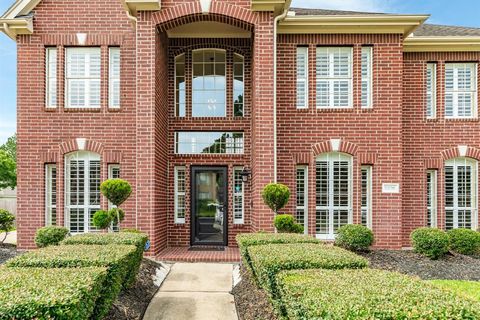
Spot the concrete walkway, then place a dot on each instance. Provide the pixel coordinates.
(195, 291)
(11, 237)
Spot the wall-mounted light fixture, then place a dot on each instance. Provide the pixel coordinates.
(246, 173)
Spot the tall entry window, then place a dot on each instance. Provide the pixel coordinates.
(209, 83)
(460, 193)
(333, 193)
(82, 190)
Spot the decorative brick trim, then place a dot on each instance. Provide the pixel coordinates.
(450, 153)
(469, 152)
(326, 146)
(70, 39)
(112, 156)
(367, 158)
(190, 12)
(71, 145)
(49, 156)
(301, 158)
(473, 153)
(434, 163)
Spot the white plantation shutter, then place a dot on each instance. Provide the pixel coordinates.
(460, 90)
(334, 77)
(238, 196)
(114, 78)
(83, 77)
(51, 78)
(301, 209)
(460, 193)
(333, 193)
(431, 88)
(366, 77)
(432, 198)
(180, 189)
(50, 194)
(366, 196)
(302, 77)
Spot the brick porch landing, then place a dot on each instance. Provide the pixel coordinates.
(182, 254)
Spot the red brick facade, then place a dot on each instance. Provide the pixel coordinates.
(394, 136)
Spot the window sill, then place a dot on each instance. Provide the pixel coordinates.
(94, 110)
(212, 155)
(461, 119)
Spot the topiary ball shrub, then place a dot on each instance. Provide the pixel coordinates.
(102, 219)
(50, 236)
(354, 237)
(431, 242)
(275, 196)
(285, 223)
(116, 190)
(464, 241)
(131, 230)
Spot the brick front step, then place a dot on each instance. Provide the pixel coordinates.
(183, 254)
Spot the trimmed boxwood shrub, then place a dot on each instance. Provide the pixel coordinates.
(268, 260)
(354, 237)
(118, 260)
(285, 223)
(64, 294)
(246, 240)
(367, 294)
(50, 236)
(125, 238)
(431, 242)
(464, 241)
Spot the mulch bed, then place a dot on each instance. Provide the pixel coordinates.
(7, 251)
(451, 267)
(252, 303)
(132, 303)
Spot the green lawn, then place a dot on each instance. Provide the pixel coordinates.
(470, 289)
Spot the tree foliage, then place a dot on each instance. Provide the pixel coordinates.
(10, 147)
(8, 171)
(6, 223)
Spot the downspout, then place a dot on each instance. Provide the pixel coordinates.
(275, 27)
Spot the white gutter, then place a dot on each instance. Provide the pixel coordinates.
(275, 27)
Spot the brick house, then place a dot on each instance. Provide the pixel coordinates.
(368, 118)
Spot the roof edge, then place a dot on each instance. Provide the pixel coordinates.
(387, 23)
(441, 43)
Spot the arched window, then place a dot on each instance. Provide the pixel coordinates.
(208, 83)
(82, 190)
(460, 193)
(333, 193)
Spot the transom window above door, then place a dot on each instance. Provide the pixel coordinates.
(203, 72)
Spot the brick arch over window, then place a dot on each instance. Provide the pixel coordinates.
(461, 151)
(77, 145)
(329, 146)
(192, 12)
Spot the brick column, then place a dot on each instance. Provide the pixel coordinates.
(145, 126)
(262, 120)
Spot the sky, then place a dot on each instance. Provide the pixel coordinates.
(450, 12)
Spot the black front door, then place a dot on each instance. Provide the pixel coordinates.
(209, 205)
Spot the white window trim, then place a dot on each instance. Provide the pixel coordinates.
(369, 78)
(48, 53)
(240, 150)
(111, 79)
(331, 78)
(433, 199)
(236, 194)
(330, 158)
(176, 194)
(243, 84)
(111, 167)
(455, 162)
(87, 157)
(455, 91)
(176, 85)
(305, 206)
(203, 89)
(303, 51)
(368, 207)
(49, 187)
(89, 51)
(432, 68)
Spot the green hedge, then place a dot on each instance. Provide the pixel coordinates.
(268, 260)
(464, 241)
(246, 240)
(118, 259)
(367, 294)
(63, 294)
(125, 238)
